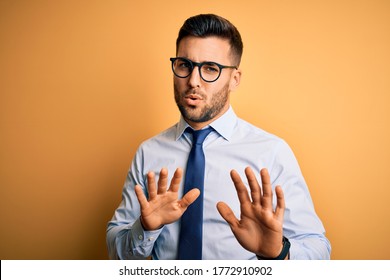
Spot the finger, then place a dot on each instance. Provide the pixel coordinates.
(226, 212)
(266, 199)
(254, 185)
(280, 202)
(189, 198)
(162, 181)
(176, 179)
(151, 185)
(143, 202)
(242, 192)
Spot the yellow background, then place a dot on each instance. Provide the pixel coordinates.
(82, 83)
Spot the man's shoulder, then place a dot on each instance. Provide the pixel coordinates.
(164, 136)
(249, 130)
(252, 136)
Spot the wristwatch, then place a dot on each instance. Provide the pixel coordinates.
(285, 251)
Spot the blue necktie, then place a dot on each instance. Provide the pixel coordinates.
(190, 241)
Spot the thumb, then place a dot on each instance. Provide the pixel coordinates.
(227, 213)
(189, 198)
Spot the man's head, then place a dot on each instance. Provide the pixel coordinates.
(210, 25)
(208, 51)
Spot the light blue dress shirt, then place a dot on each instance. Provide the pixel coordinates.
(235, 144)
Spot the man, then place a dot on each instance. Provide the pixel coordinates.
(265, 188)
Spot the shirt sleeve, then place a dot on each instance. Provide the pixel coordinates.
(301, 226)
(126, 238)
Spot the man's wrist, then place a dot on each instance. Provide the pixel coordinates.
(148, 229)
(284, 254)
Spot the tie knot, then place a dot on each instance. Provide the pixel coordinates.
(199, 135)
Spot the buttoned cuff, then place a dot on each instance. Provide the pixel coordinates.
(143, 238)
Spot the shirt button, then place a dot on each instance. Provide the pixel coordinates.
(150, 238)
(140, 237)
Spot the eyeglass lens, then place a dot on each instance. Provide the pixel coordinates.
(209, 71)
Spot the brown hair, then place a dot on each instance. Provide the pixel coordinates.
(207, 25)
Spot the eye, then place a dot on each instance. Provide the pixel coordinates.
(183, 64)
(210, 68)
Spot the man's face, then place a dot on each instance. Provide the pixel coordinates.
(201, 102)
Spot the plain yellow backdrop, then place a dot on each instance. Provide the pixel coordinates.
(82, 83)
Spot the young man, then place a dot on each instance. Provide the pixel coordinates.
(240, 171)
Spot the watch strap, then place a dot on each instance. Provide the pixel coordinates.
(283, 254)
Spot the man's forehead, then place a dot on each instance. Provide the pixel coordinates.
(204, 49)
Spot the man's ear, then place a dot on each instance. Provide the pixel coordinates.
(235, 79)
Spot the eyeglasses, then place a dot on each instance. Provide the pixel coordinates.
(209, 71)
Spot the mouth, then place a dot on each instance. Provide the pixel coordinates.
(193, 99)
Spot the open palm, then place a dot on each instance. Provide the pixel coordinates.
(163, 206)
(260, 228)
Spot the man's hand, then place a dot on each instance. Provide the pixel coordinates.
(163, 206)
(260, 229)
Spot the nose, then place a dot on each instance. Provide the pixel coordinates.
(194, 79)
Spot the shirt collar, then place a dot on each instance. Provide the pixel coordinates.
(224, 125)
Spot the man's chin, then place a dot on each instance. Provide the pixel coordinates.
(193, 114)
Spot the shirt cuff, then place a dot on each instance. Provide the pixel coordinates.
(143, 237)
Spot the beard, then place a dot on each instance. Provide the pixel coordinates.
(210, 110)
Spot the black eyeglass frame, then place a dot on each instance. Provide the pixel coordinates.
(199, 64)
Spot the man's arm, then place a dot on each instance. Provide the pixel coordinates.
(138, 221)
(301, 224)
